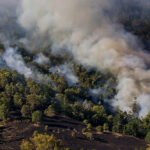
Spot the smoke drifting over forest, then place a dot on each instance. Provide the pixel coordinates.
(86, 29)
(15, 61)
(66, 71)
(10, 30)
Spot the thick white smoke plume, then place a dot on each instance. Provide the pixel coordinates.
(82, 27)
(10, 30)
(15, 61)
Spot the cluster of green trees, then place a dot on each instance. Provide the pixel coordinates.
(35, 100)
(23, 95)
(42, 142)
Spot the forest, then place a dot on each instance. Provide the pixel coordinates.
(30, 99)
(61, 86)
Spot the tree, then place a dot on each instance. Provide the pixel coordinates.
(18, 100)
(147, 138)
(42, 142)
(99, 116)
(26, 145)
(4, 112)
(71, 94)
(89, 135)
(147, 121)
(105, 127)
(89, 126)
(135, 128)
(83, 130)
(118, 121)
(78, 111)
(85, 121)
(148, 148)
(35, 101)
(25, 111)
(37, 116)
(99, 128)
(50, 111)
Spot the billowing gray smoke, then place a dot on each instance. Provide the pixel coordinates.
(41, 59)
(10, 30)
(83, 28)
(15, 61)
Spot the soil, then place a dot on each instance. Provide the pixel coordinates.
(13, 132)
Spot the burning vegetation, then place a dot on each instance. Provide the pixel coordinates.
(81, 59)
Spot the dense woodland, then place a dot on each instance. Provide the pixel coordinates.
(26, 98)
(34, 100)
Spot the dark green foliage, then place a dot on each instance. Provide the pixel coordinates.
(99, 128)
(60, 82)
(49, 111)
(33, 99)
(71, 94)
(147, 138)
(119, 121)
(135, 128)
(4, 112)
(25, 111)
(37, 116)
(105, 127)
(16, 92)
(18, 100)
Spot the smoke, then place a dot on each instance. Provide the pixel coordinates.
(87, 30)
(15, 61)
(10, 30)
(66, 70)
(84, 28)
(95, 93)
(41, 59)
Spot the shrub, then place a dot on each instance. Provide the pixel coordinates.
(18, 101)
(35, 133)
(83, 130)
(148, 148)
(42, 142)
(25, 111)
(105, 127)
(85, 121)
(26, 145)
(99, 128)
(89, 126)
(89, 135)
(37, 116)
(4, 111)
(46, 128)
(147, 138)
(50, 112)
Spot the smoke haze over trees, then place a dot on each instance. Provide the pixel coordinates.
(88, 60)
